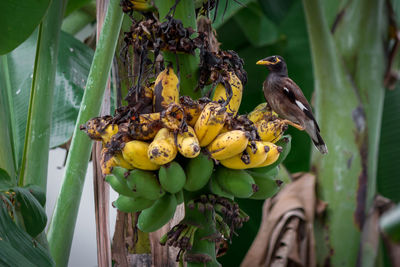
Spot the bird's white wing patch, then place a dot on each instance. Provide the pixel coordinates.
(300, 105)
(287, 90)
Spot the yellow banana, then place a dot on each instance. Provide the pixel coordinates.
(146, 126)
(163, 148)
(99, 128)
(107, 161)
(260, 112)
(272, 154)
(210, 123)
(109, 131)
(166, 89)
(173, 116)
(227, 145)
(250, 158)
(270, 131)
(192, 109)
(120, 161)
(188, 144)
(221, 94)
(135, 153)
(148, 95)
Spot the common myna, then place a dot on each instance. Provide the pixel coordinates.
(288, 101)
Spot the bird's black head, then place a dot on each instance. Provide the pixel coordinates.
(275, 64)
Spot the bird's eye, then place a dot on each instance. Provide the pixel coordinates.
(274, 59)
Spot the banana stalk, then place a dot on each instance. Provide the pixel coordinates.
(203, 249)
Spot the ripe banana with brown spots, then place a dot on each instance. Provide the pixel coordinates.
(221, 93)
(262, 111)
(135, 153)
(210, 123)
(188, 144)
(270, 131)
(192, 108)
(107, 161)
(100, 128)
(163, 148)
(272, 154)
(227, 145)
(254, 155)
(166, 89)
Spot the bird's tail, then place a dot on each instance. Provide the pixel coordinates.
(320, 144)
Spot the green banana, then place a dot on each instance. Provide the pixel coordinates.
(130, 204)
(119, 171)
(118, 182)
(198, 172)
(156, 216)
(172, 177)
(267, 186)
(236, 182)
(144, 184)
(217, 190)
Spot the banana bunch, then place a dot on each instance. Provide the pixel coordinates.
(168, 144)
(164, 149)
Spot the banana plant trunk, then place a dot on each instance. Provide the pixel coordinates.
(349, 95)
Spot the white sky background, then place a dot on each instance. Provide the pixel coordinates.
(83, 251)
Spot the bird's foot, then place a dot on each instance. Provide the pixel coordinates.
(295, 125)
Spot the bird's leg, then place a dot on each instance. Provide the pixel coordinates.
(295, 125)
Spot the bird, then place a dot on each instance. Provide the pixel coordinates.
(285, 97)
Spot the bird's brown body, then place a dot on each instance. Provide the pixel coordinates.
(287, 100)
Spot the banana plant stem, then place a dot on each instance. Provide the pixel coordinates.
(62, 226)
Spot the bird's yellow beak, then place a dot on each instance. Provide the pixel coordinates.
(265, 61)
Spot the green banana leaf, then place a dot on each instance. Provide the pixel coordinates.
(26, 14)
(17, 248)
(388, 183)
(72, 69)
(32, 211)
(258, 29)
(74, 5)
(276, 11)
(5, 180)
(231, 9)
(38, 193)
(10, 256)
